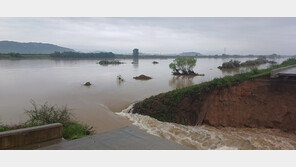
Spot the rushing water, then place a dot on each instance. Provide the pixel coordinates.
(208, 137)
(61, 82)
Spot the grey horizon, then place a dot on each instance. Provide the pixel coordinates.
(158, 35)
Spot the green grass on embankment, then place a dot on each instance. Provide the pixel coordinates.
(226, 81)
(46, 114)
(165, 106)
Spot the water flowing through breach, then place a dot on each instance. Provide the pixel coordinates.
(208, 137)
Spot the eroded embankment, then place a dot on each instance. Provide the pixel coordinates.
(259, 102)
(209, 137)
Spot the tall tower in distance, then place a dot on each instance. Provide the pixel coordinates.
(136, 55)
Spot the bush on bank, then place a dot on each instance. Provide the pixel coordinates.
(47, 114)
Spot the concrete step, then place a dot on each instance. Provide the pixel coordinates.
(127, 138)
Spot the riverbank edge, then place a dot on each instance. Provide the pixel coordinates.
(167, 106)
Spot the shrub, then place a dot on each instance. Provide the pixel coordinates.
(106, 62)
(75, 130)
(2, 128)
(228, 65)
(235, 63)
(231, 64)
(15, 55)
(184, 64)
(258, 61)
(255, 70)
(46, 114)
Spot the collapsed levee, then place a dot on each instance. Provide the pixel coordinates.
(261, 102)
(246, 100)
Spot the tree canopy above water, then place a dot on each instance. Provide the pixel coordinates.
(183, 65)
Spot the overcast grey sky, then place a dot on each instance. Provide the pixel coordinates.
(158, 35)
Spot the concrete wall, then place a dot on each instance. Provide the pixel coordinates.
(21, 137)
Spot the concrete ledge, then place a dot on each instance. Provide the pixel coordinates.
(21, 137)
(275, 73)
(126, 138)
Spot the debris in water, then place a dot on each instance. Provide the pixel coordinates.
(87, 84)
(142, 77)
(120, 78)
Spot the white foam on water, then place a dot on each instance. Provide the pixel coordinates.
(208, 137)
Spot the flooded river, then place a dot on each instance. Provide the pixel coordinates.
(215, 138)
(61, 82)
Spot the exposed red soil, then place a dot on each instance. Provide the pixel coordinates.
(262, 102)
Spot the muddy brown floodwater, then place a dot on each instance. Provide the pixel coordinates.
(207, 137)
(61, 82)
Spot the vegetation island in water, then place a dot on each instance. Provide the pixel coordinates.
(236, 64)
(107, 62)
(184, 66)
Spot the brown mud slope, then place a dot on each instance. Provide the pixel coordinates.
(261, 102)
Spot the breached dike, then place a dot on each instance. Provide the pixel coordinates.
(208, 137)
(245, 111)
(257, 103)
(249, 99)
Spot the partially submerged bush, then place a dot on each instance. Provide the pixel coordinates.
(154, 62)
(230, 64)
(258, 61)
(235, 63)
(87, 84)
(106, 62)
(142, 77)
(183, 65)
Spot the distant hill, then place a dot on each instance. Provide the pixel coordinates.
(31, 48)
(190, 54)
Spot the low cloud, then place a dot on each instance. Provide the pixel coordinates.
(158, 35)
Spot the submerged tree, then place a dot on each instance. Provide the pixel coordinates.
(183, 65)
